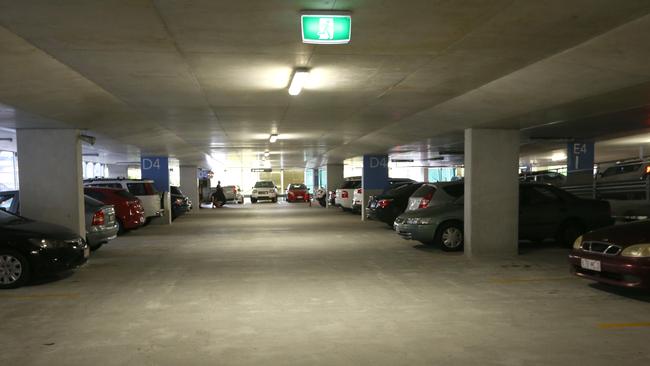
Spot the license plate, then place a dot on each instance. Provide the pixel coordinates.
(299, 197)
(86, 252)
(590, 264)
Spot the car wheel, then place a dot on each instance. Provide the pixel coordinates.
(120, 227)
(569, 232)
(14, 269)
(253, 200)
(241, 201)
(275, 200)
(450, 237)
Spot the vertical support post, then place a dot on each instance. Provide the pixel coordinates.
(374, 179)
(491, 211)
(51, 177)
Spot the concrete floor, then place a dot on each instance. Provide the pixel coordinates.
(279, 284)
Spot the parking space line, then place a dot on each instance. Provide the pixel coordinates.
(623, 325)
(505, 281)
(41, 296)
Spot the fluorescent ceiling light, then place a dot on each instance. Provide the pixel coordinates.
(298, 81)
(273, 138)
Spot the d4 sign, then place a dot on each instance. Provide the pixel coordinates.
(326, 29)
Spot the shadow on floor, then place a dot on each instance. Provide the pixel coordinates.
(630, 293)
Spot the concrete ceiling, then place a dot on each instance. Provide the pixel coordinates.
(190, 78)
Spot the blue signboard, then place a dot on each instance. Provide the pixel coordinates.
(157, 169)
(580, 156)
(375, 172)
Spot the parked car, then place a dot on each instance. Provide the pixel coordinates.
(144, 189)
(101, 225)
(181, 204)
(30, 248)
(386, 207)
(345, 194)
(297, 192)
(616, 255)
(233, 194)
(357, 194)
(128, 210)
(432, 194)
(626, 171)
(264, 190)
(545, 212)
(544, 176)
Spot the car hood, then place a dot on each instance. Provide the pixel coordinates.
(30, 228)
(622, 235)
(433, 211)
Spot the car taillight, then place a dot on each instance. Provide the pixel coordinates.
(359, 191)
(384, 203)
(234, 190)
(344, 194)
(98, 218)
(424, 202)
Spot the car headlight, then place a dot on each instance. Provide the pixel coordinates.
(412, 221)
(637, 251)
(578, 243)
(425, 221)
(47, 243)
(254, 190)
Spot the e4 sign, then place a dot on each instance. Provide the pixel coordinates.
(326, 29)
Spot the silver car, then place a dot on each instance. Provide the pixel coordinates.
(233, 194)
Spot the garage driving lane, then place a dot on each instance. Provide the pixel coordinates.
(278, 284)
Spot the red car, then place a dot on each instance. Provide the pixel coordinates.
(616, 255)
(128, 210)
(297, 193)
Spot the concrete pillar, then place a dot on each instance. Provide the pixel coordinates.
(334, 176)
(374, 178)
(491, 192)
(50, 171)
(190, 184)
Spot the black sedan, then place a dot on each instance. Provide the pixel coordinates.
(29, 248)
(386, 207)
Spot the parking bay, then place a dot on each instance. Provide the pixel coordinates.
(279, 283)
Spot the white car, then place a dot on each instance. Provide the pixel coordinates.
(264, 190)
(233, 194)
(144, 189)
(345, 194)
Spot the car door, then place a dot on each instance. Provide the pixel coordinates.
(540, 212)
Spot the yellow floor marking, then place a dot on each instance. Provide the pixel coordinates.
(41, 296)
(623, 325)
(523, 280)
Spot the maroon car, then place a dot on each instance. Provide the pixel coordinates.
(128, 210)
(617, 255)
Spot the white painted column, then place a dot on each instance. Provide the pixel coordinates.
(190, 184)
(50, 171)
(334, 177)
(491, 192)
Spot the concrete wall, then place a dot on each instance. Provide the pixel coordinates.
(50, 171)
(491, 192)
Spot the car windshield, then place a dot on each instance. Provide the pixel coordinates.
(426, 189)
(454, 190)
(7, 218)
(264, 184)
(175, 190)
(406, 189)
(297, 187)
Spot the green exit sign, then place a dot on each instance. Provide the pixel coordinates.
(326, 29)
